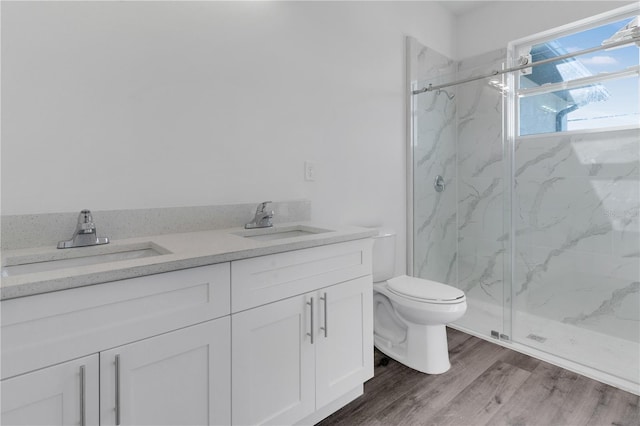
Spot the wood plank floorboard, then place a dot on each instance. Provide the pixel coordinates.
(487, 385)
(393, 376)
(542, 395)
(435, 392)
(484, 396)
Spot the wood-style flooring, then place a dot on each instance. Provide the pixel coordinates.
(486, 385)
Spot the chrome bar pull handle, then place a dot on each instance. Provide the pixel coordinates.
(324, 299)
(83, 417)
(117, 363)
(310, 303)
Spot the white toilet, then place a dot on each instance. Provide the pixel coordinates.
(410, 313)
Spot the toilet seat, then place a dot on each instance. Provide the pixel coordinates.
(425, 291)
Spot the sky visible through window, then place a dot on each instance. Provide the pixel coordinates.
(622, 107)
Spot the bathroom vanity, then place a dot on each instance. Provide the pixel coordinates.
(219, 328)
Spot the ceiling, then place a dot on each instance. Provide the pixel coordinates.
(462, 7)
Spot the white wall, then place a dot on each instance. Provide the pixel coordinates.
(493, 25)
(125, 105)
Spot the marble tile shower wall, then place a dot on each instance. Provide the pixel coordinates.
(434, 153)
(577, 212)
(576, 199)
(482, 246)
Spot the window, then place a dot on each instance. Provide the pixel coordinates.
(590, 91)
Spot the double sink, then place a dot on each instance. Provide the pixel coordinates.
(71, 258)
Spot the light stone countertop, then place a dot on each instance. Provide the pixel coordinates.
(184, 250)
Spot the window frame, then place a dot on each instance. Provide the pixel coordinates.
(520, 47)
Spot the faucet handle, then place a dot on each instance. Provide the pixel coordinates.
(85, 222)
(85, 216)
(262, 219)
(262, 206)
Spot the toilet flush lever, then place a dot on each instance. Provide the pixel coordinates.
(439, 184)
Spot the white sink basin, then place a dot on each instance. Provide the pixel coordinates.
(280, 232)
(71, 258)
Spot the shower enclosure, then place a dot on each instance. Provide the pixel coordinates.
(524, 192)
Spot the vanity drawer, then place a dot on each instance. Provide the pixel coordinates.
(265, 279)
(49, 328)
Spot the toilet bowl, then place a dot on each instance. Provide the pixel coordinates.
(410, 314)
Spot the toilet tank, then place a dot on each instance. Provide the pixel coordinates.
(384, 255)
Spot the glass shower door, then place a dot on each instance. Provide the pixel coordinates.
(460, 235)
(576, 200)
(482, 196)
(433, 177)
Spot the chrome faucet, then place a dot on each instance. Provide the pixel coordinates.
(262, 219)
(85, 233)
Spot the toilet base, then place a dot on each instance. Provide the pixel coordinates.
(428, 351)
(425, 349)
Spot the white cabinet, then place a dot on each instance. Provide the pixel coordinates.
(293, 357)
(50, 328)
(182, 377)
(169, 332)
(64, 394)
(273, 363)
(195, 347)
(344, 351)
(280, 375)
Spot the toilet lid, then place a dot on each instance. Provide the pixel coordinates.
(430, 291)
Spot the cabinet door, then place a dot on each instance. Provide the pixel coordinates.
(273, 363)
(64, 394)
(345, 354)
(178, 378)
(50, 328)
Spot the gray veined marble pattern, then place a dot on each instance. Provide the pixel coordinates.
(534, 269)
(611, 154)
(436, 134)
(480, 209)
(577, 232)
(481, 231)
(486, 274)
(609, 306)
(480, 146)
(534, 224)
(559, 214)
(480, 228)
(593, 289)
(435, 127)
(562, 146)
(426, 63)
